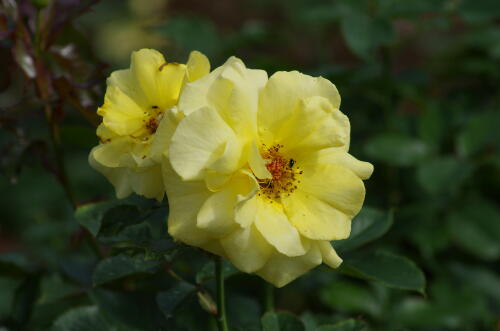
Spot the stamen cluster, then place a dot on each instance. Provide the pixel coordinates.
(284, 172)
(152, 120)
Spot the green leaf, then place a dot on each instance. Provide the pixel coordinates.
(396, 149)
(481, 279)
(15, 265)
(131, 310)
(169, 300)
(364, 34)
(479, 11)
(207, 272)
(192, 33)
(442, 174)
(8, 288)
(138, 234)
(281, 322)
(369, 225)
(53, 288)
(247, 319)
(409, 8)
(119, 266)
(24, 299)
(82, 319)
(350, 297)
(347, 325)
(78, 269)
(111, 216)
(474, 228)
(387, 268)
(449, 307)
(90, 215)
(478, 133)
(432, 127)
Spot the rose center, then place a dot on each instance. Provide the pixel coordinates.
(284, 172)
(152, 120)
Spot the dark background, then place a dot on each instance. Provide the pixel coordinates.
(419, 80)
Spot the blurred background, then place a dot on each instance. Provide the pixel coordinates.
(419, 80)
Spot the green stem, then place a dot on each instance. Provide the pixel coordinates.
(269, 297)
(221, 304)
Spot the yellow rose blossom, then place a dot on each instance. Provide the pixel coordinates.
(260, 171)
(138, 118)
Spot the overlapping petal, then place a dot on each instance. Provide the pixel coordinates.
(203, 140)
(281, 269)
(284, 93)
(335, 185)
(139, 119)
(256, 170)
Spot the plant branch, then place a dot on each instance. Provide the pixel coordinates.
(221, 304)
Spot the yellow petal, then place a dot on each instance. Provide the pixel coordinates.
(315, 124)
(214, 247)
(198, 66)
(116, 176)
(111, 153)
(194, 94)
(126, 180)
(217, 213)
(257, 163)
(281, 269)
(215, 181)
(160, 81)
(123, 152)
(203, 140)
(316, 219)
(275, 227)
(283, 93)
(120, 113)
(235, 95)
(126, 82)
(147, 182)
(247, 249)
(334, 184)
(185, 200)
(246, 212)
(169, 84)
(104, 133)
(164, 133)
(232, 90)
(329, 254)
(340, 157)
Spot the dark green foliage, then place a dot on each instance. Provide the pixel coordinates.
(86, 318)
(390, 269)
(170, 299)
(370, 224)
(420, 82)
(281, 322)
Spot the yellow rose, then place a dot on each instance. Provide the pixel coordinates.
(260, 172)
(138, 118)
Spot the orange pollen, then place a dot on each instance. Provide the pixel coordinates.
(276, 167)
(152, 125)
(151, 121)
(284, 174)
